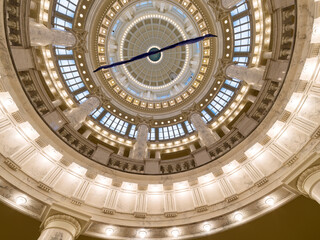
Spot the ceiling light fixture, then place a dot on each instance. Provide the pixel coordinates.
(175, 233)
(207, 227)
(238, 216)
(21, 200)
(142, 233)
(109, 231)
(270, 201)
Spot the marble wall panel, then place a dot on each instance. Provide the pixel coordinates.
(11, 141)
(240, 180)
(38, 166)
(266, 162)
(96, 195)
(184, 201)
(155, 203)
(126, 202)
(70, 188)
(212, 193)
(311, 109)
(293, 139)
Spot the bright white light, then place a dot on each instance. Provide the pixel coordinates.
(207, 227)
(269, 201)
(53, 153)
(21, 200)
(77, 169)
(8, 102)
(230, 166)
(238, 216)
(181, 185)
(142, 233)
(175, 233)
(109, 231)
(29, 130)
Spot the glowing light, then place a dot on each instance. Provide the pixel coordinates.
(142, 233)
(207, 227)
(8, 102)
(238, 216)
(109, 231)
(270, 201)
(29, 131)
(53, 153)
(175, 233)
(21, 200)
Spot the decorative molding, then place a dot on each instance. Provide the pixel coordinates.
(262, 182)
(218, 9)
(232, 198)
(140, 214)
(303, 177)
(64, 218)
(44, 187)
(81, 39)
(170, 214)
(11, 164)
(316, 134)
(291, 161)
(108, 211)
(76, 201)
(202, 208)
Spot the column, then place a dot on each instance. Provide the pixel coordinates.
(78, 115)
(62, 227)
(252, 76)
(251, 98)
(87, 133)
(140, 147)
(158, 154)
(225, 129)
(40, 35)
(205, 134)
(230, 3)
(57, 103)
(121, 150)
(192, 147)
(267, 55)
(33, 5)
(309, 183)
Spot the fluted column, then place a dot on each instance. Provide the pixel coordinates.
(140, 147)
(205, 134)
(230, 3)
(60, 227)
(309, 183)
(252, 76)
(78, 115)
(40, 35)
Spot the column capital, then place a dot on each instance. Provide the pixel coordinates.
(307, 179)
(64, 222)
(146, 121)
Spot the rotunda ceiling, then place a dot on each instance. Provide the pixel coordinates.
(186, 141)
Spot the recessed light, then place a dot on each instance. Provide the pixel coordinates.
(109, 231)
(207, 227)
(269, 201)
(142, 233)
(175, 233)
(21, 200)
(238, 216)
